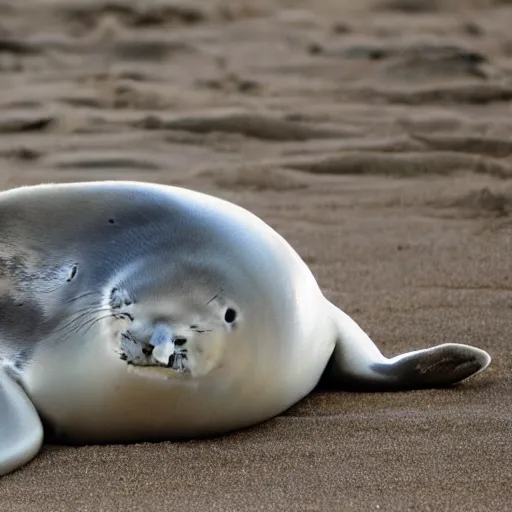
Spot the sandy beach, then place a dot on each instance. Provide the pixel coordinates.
(376, 137)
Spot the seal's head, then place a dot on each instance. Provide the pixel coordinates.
(180, 318)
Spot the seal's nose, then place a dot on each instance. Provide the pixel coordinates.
(162, 334)
(163, 343)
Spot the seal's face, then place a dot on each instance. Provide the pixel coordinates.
(182, 326)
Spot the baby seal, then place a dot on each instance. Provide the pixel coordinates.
(133, 312)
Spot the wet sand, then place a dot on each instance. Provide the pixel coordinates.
(376, 137)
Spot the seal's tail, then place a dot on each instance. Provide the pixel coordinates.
(357, 362)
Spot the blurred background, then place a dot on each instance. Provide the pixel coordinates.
(375, 135)
(233, 94)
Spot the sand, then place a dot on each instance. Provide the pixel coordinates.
(376, 137)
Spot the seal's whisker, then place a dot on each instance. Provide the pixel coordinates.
(90, 307)
(87, 324)
(214, 297)
(83, 311)
(81, 315)
(95, 321)
(78, 297)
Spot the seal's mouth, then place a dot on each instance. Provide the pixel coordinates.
(178, 362)
(163, 350)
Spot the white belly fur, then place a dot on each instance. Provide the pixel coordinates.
(90, 395)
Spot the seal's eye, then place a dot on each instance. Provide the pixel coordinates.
(230, 315)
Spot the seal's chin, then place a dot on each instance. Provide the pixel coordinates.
(161, 373)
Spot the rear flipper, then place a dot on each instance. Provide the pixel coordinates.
(21, 430)
(357, 362)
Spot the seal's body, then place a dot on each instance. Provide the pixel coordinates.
(131, 312)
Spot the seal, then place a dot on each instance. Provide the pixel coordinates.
(133, 312)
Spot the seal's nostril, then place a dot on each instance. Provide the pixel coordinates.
(179, 341)
(147, 351)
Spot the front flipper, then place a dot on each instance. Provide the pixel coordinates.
(21, 430)
(358, 363)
